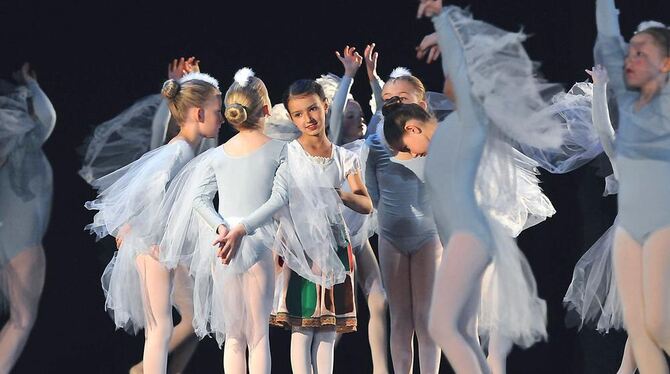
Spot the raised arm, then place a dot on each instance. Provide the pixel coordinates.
(351, 61)
(455, 67)
(600, 112)
(610, 48)
(376, 83)
(43, 110)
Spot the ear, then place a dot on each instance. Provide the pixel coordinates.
(666, 65)
(423, 104)
(411, 128)
(201, 115)
(266, 110)
(325, 106)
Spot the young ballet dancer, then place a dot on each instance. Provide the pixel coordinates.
(143, 127)
(638, 78)
(346, 129)
(27, 119)
(137, 282)
(233, 297)
(409, 247)
(511, 309)
(318, 169)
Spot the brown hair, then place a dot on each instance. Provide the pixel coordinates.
(661, 36)
(183, 96)
(244, 103)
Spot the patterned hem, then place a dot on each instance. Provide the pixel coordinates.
(343, 324)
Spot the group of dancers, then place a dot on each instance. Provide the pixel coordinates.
(446, 180)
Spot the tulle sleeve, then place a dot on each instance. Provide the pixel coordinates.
(190, 218)
(120, 140)
(15, 121)
(132, 195)
(490, 65)
(43, 109)
(580, 143)
(352, 163)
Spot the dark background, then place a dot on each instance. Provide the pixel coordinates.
(95, 58)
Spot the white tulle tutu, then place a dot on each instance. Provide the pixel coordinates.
(513, 100)
(128, 206)
(592, 293)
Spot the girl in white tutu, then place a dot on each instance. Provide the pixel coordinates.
(139, 280)
(466, 216)
(27, 119)
(233, 297)
(317, 169)
(115, 143)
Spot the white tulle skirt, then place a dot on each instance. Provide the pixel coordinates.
(223, 293)
(592, 293)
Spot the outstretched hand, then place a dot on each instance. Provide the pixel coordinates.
(371, 60)
(598, 74)
(351, 60)
(428, 48)
(192, 65)
(429, 8)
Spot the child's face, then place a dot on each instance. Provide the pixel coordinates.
(212, 119)
(308, 113)
(403, 89)
(353, 125)
(645, 61)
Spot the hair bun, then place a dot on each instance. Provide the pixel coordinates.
(170, 89)
(236, 114)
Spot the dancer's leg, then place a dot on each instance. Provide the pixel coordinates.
(24, 279)
(157, 283)
(423, 268)
(628, 265)
(395, 269)
(456, 301)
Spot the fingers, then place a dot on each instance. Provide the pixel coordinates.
(422, 8)
(433, 54)
(339, 57)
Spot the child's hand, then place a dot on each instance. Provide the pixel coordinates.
(351, 61)
(598, 74)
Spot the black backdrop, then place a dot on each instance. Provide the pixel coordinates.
(95, 58)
